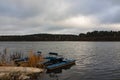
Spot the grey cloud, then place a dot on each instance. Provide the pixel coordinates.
(16, 8)
(28, 8)
(89, 7)
(110, 16)
(104, 10)
(35, 16)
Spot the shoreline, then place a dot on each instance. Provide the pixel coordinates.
(21, 73)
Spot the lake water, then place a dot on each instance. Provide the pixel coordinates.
(94, 60)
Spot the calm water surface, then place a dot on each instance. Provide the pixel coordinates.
(95, 60)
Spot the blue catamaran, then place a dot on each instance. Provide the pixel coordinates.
(55, 62)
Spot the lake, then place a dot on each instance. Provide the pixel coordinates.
(94, 60)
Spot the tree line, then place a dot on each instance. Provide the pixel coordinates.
(100, 36)
(89, 36)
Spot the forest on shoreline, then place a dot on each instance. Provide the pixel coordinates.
(89, 36)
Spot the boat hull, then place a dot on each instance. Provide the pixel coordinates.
(60, 65)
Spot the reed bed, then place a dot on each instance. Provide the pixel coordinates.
(34, 60)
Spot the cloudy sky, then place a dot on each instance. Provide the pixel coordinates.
(58, 16)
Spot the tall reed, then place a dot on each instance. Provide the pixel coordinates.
(34, 60)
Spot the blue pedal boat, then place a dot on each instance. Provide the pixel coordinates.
(57, 62)
(60, 64)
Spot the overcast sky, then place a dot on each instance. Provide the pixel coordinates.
(58, 16)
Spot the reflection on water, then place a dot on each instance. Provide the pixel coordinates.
(59, 70)
(54, 73)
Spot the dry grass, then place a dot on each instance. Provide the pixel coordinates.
(6, 59)
(34, 61)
